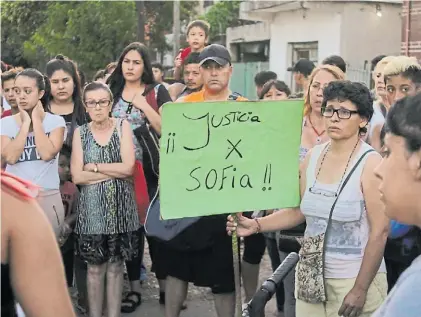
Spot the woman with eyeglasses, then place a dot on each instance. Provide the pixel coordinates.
(102, 164)
(341, 269)
(313, 133)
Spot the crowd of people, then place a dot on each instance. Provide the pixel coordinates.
(80, 167)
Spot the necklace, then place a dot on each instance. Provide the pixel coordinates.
(318, 139)
(343, 175)
(103, 127)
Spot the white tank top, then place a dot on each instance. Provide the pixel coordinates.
(348, 232)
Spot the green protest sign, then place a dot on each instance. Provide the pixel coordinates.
(225, 157)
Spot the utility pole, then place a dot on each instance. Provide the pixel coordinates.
(140, 10)
(176, 27)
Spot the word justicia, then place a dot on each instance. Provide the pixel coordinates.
(216, 121)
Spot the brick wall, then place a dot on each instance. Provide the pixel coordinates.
(414, 47)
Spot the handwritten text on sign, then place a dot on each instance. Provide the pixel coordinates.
(225, 157)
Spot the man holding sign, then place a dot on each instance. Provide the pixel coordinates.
(220, 157)
(211, 262)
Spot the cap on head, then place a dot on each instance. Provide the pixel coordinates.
(216, 53)
(303, 66)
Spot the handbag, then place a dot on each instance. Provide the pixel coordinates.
(139, 182)
(141, 192)
(165, 230)
(310, 282)
(148, 138)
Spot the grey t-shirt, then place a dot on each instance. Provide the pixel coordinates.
(30, 166)
(405, 297)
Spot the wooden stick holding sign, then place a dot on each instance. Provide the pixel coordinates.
(229, 157)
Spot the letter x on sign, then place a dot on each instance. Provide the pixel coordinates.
(233, 148)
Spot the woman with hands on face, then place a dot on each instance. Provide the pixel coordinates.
(31, 141)
(102, 164)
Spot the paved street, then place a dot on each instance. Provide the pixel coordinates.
(199, 302)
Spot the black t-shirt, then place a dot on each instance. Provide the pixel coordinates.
(162, 96)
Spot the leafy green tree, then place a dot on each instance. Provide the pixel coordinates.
(222, 15)
(19, 21)
(160, 16)
(93, 33)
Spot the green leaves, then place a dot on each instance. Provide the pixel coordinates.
(93, 33)
(220, 16)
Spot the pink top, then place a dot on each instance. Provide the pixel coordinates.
(69, 194)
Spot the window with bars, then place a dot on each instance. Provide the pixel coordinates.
(307, 50)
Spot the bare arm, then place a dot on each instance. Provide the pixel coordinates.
(375, 141)
(174, 90)
(379, 225)
(11, 150)
(37, 272)
(47, 145)
(153, 117)
(80, 176)
(285, 218)
(125, 168)
(178, 66)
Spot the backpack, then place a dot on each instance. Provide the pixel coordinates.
(404, 249)
(148, 139)
(139, 183)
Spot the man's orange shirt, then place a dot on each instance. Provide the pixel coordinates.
(199, 96)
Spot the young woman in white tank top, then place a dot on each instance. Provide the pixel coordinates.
(354, 274)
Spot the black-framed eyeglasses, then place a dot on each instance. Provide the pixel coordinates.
(102, 103)
(341, 112)
(322, 192)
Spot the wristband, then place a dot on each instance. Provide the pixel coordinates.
(259, 228)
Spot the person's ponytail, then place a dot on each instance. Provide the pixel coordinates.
(45, 100)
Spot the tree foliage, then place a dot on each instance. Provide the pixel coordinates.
(92, 33)
(160, 15)
(222, 15)
(19, 21)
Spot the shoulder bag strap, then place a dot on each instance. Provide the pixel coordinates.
(119, 127)
(344, 184)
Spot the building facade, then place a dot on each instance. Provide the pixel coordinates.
(411, 29)
(355, 30)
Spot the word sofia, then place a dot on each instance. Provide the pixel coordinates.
(228, 177)
(214, 121)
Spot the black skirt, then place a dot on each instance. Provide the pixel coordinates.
(97, 249)
(209, 267)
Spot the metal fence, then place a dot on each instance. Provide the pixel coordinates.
(359, 75)
(242, 80)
